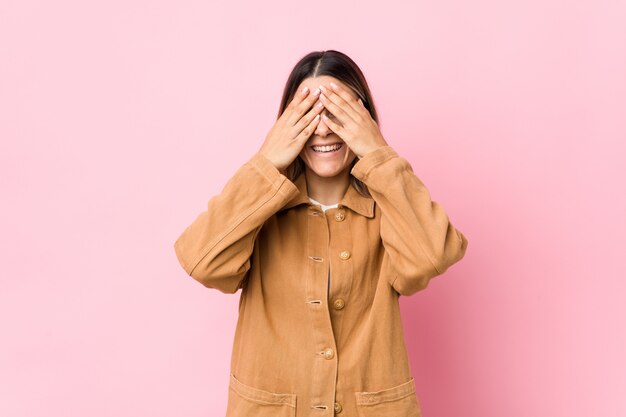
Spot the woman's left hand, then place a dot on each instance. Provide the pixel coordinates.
(353, 124)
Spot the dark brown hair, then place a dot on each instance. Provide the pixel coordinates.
(340, 66)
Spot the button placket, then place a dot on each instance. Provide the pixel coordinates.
(342, 268)
(324, 373)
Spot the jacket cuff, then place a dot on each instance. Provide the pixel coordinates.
(362, 168)
(278, 181)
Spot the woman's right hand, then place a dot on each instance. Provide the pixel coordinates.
(292, 129)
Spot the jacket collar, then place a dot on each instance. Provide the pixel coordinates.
(351, 199)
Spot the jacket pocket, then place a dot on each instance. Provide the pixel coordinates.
(247, 401)
(397, 401)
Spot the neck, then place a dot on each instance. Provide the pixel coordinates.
(327, 190)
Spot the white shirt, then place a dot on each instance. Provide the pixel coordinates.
(324, 208)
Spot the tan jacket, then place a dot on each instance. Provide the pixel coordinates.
(319, 330)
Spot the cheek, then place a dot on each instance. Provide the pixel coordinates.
(350, 157)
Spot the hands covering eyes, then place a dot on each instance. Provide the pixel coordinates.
(352, 122)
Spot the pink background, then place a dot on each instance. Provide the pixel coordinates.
(120, 119)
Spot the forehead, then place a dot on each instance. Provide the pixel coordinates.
(314, 82)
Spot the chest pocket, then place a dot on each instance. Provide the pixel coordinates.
(245, 400)
(397, 401)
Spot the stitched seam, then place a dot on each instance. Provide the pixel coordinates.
(261, 170)
(250, 250)
(390, 394)
(279, 401)
(427, 254)
(235, 225)
(376, 163)
(384, 400)
(393, 281)
(429, 257)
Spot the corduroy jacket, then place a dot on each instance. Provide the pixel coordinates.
(319, 331)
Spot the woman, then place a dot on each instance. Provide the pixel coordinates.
(323, 229)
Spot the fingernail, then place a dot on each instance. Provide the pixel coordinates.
(333, 85)
(304, 90)
(322, 88)
(316, 92)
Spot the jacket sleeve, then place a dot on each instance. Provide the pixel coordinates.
(215, 249)
(419, 240)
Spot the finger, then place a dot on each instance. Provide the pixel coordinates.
(343, 92)
(367, 112)
(308, 117)
(334, 126)
(295, 114)
(295, 101)
(297, 98)
(336, 110)
(307, 131)
(344, 100)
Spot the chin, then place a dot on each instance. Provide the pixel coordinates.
(326, 172)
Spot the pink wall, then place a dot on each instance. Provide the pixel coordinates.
(120, 119)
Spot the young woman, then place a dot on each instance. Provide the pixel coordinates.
(323, 229)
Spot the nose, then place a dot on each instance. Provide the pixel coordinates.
(322, 128)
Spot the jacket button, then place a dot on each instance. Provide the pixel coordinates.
(328, 353)
(339, 303)
(338, 408)
(339, 216)
(344, 255)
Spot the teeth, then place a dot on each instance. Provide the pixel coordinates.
(326, 148)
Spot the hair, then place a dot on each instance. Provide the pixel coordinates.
(340, 66)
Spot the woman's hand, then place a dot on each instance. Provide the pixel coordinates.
(354, 124)
(292, 129)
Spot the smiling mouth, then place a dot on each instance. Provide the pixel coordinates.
(327, 148)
